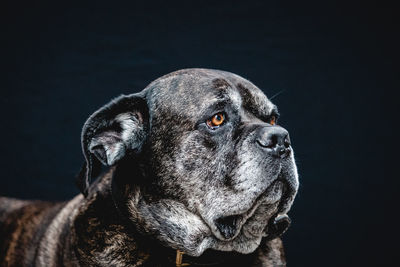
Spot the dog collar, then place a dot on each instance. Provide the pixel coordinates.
(181, 262)
(212, 258)
(178, 261)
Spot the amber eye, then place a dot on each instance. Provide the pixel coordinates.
(272, 120)
(216, 120)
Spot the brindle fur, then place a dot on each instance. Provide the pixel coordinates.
(169, 179)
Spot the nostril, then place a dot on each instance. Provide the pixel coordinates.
(273, 141)
(227, 226)
(281, 150)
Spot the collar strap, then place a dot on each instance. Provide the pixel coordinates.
(178, 261)
(212, 258)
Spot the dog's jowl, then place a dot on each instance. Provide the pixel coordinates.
(193, 170)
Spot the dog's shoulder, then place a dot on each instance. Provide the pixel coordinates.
(8, 205)
(26, 213)
(22, 225)
(31, 230)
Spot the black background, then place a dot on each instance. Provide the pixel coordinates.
(335, 65)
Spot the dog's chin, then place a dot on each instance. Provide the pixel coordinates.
(175, 226)
(255, 224)
(260, 221)
(251, 233)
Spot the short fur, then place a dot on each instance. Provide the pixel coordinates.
(219, 195)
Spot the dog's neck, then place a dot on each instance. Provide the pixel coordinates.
(106, 237)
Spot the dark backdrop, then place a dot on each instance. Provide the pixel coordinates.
(334, 64)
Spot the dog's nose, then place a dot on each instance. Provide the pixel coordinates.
(275, 140)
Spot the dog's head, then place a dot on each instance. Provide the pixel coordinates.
(200, 160)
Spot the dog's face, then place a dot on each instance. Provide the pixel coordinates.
(217, 169)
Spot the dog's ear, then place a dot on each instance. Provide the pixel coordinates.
(118, 128)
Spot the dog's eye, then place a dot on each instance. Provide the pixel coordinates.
(216, 120)
(272, 120)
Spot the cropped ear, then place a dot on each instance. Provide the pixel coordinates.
(110, 133)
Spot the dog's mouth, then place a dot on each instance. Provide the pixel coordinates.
(275, 222)
(228, 226)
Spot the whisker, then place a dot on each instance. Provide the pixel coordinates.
(275, 95)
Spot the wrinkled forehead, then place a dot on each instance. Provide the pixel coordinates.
(192, 92)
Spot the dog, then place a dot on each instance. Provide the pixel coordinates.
(193, 170)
